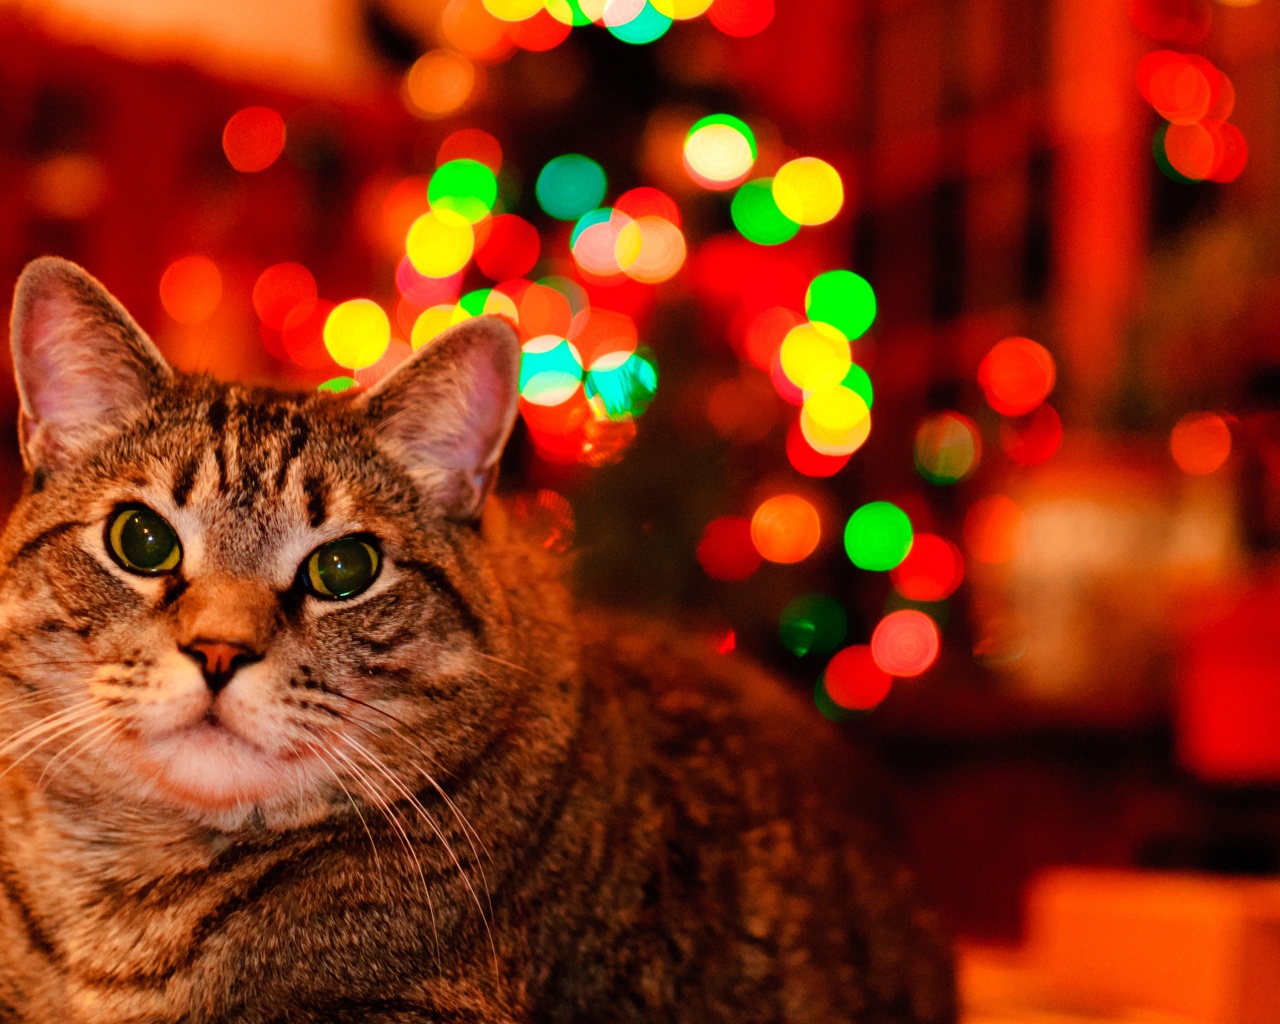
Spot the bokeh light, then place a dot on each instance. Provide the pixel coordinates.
(473, 31)
(513, 10)
(650, 249)
(1032, 439)
(878, 536)
(726, 552)
(337, 385)
(835, 420)
(765, 333)
(719, 151)
(681, 10)
(854, 681)
(805, 460)
(603, 337)
(253, 138)
(431, 323)
(948, 448)
(544, 310)
(812, 624)
(540, 33)
(842, 299)
(1200, 443)
(550, 370)
(508, 247)
(440, 83)
(814, 355)
(303, 335)
(623, 390)
(757, 217)
(992, 529)
(932, 570)
(425, 291)
(741, 18)
(279, 290)
(465, 187)
(648, 202)
(356, 333)
(646, 26)
(570, 185)
(471, 144)
(905, 643)
(594, 241)
(786, 529)
(808, 191)
(190, 289)
(440, 243)
(1016, 376)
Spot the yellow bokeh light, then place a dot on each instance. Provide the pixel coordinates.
(513, 10)
(501, 304)
(815, 355)
(357, 333)
(719, 153)
(835, 420)
(681, 10)
(430, 323)
(440, 243)
(650, 250)
(439, 84)
(808, 190)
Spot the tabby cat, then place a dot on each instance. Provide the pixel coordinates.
(297, 728)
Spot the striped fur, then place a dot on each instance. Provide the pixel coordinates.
(475, 806)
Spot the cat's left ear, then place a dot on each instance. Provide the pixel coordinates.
(82, 365)
(446, 412)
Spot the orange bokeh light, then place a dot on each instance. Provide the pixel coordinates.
(786, 529)
(190, 289)
(1200, 443)
(279, 290)
(471, 144)
(1016, 376)
(253, 138)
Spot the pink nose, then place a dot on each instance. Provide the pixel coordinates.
(219, 660)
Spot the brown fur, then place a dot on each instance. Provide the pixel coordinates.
(513, 817)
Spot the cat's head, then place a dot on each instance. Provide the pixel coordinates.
(225, 599)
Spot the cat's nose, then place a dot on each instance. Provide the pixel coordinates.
(219, 660)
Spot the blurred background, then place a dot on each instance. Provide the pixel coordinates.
(927, 350)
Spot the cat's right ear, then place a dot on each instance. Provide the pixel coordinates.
(82, 365)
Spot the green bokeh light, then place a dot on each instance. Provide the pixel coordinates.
(736, 123)
(812, 624)
(543, 372)
(878, 536)
(859, 382)
(466, 187)
(570, 185)
(649, 25)
(757, 216)
(473, 302)
(336, 385)
(627, 390)
(842, 299)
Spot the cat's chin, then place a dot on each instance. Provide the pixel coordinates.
(212, 772)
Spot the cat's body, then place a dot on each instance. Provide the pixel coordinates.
(437, 799)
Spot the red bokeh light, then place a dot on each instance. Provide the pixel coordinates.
(854, 681)
(471, 144)
(765, 331)
(544, 310)
(1231, 152)
(1017, 375)
(648, 202)
(809, 462)
(508, 246)
(279, 290)
(253, 138)
(303, 335)
(425, 291)
(725, 551)
(1032, 439)
(905, 643)
(932, 570)
(190, 289)
(741, 18)
(539, 33)
(1200, 443)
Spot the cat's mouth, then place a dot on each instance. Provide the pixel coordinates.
(210, 765)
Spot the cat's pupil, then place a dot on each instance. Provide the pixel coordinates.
(144, 540)
(342, 568)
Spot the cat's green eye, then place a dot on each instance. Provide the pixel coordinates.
(143, 542)
(342, 568)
